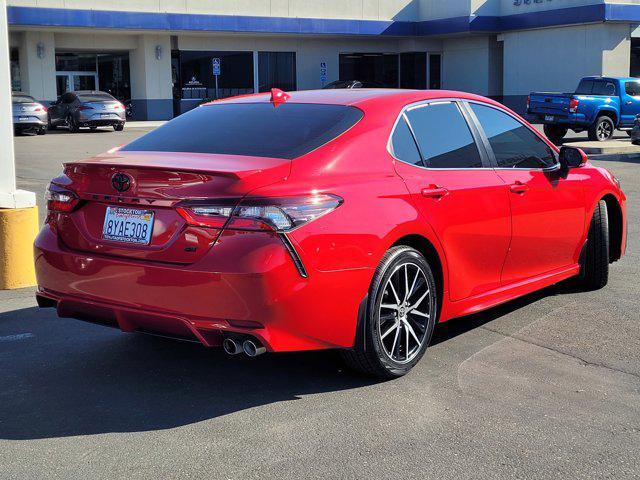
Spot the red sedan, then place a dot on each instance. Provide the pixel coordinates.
(343, 219)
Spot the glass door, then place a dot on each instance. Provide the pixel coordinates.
(85, 81)
(73, 81)
(62, 83)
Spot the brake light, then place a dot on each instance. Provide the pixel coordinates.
(274, 214)
(40, 108)
(573, 105)
(210, 216)
(118, 106)
(60, 200)
(85, 107)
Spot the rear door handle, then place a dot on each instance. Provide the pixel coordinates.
(519, 187)
(434, 191)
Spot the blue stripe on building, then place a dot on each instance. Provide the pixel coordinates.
(105, 19)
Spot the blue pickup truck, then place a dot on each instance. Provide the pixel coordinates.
(599, 105)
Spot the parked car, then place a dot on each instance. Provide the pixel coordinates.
(28, 114)
(343, 219)
(87, 108)
(352, 84)
(600, 105)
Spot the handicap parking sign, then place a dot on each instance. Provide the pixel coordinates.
(216, 66)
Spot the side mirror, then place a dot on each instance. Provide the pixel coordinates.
(572, 157)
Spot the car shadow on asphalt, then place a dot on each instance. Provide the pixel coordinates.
(72, 378)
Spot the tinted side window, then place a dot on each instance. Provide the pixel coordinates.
(403, 145)
(444, 137)
(632, 88)
(585, 87)
(604, 88)
(514, 145)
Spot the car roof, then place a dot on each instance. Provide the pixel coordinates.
(90, 92)
(360, 97)
(622, 79)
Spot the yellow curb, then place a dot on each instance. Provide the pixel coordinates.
(18, 230)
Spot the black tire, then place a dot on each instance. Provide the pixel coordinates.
(50, 126)
(555, 133)
(73, 126)
(602, 129)
(594, 271)
(41, 131)
(369, 355)
(93, 128)
(630, 133)
(119, 127)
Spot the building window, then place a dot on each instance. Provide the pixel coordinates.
(435, 71)
(635, 57)
(14, 58)
(199, 83)
(413, 70)
(372, 69)
(276, 70)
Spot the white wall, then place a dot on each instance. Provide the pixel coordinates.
(151, 76)
(470, 65)
(554, 59)
(37, 75)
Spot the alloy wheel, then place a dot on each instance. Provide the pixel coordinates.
(404, 313)
(604, 130)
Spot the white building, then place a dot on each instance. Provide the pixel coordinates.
(160, 53)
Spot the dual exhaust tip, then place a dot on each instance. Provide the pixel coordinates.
(250, 347)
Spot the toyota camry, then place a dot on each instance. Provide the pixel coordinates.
(334, 219)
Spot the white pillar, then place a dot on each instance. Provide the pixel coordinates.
(151, 87)
(10, 197)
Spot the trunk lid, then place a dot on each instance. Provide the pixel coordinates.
(157, 182)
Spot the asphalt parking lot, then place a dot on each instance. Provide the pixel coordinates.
(544, 387)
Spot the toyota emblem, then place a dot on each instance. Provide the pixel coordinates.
(121, 182)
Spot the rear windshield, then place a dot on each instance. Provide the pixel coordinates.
(585, 87)
(22, 99)
(250, 129)
(95, 97)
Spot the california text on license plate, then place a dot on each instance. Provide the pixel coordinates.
(549, 118)
(129, 225)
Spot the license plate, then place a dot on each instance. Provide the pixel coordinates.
(128, 225)
(549, 118)
(23, 119)
(105, 115)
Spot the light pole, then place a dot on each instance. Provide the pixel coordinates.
(18, 211)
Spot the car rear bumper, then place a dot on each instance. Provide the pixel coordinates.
(29, 122)
(571, 120)
(99, 119)
(234, 289)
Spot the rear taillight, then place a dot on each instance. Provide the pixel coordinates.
(573, 105)
(40, 108)
(85, 107)
(275, 214)
(60, 200)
